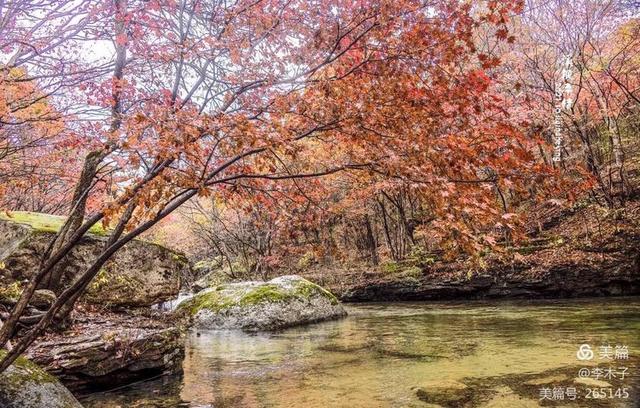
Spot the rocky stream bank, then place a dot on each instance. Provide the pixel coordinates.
(114, 336)
(585, 251)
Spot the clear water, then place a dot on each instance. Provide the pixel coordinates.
(404, 355)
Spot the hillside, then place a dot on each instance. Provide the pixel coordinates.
(587, 250)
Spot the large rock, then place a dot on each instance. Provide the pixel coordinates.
(140, 274)
(111, 350)
(281, 302)
(557, 281)
(25, 385)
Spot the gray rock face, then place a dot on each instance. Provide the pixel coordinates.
(558, 281)
(111, 352)
(279, 303)
(25, 385)
(140, 274)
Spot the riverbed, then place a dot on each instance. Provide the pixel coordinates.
(472, 354)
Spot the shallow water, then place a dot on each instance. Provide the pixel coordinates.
(478, 354)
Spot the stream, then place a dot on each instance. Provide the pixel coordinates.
(472, 354)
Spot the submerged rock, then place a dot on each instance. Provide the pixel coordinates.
(281, 302)
(25, 385)
(552, 379)
(445, 393)
(140, 274)
(506, 397)
(592, 382)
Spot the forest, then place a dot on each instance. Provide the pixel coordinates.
(319, 203)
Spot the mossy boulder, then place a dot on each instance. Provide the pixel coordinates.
(279, 303)
(43, 222)
(25, 385)
(140, 274)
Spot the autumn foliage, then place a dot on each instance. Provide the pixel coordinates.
(300, 115)
(228, 97)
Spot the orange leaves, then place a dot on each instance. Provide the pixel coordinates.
(34, 145)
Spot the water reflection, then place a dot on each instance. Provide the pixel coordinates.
(383, 354)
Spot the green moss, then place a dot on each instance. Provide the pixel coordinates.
(217, 300)
(26, 384)
(43, 222)
(412, 272)
(10, 293)
(405, 270)
(390, 267)
(181, 258)
(99, 281)
(122, 286)
(27, 371)
(265, 294)
(212, 300)
(208, 264)
(307, 289)
(420, 257)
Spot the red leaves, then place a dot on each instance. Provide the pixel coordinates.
(488, 61)
(478, 80)
(502, 33)
(121, 39)
(249, 100)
